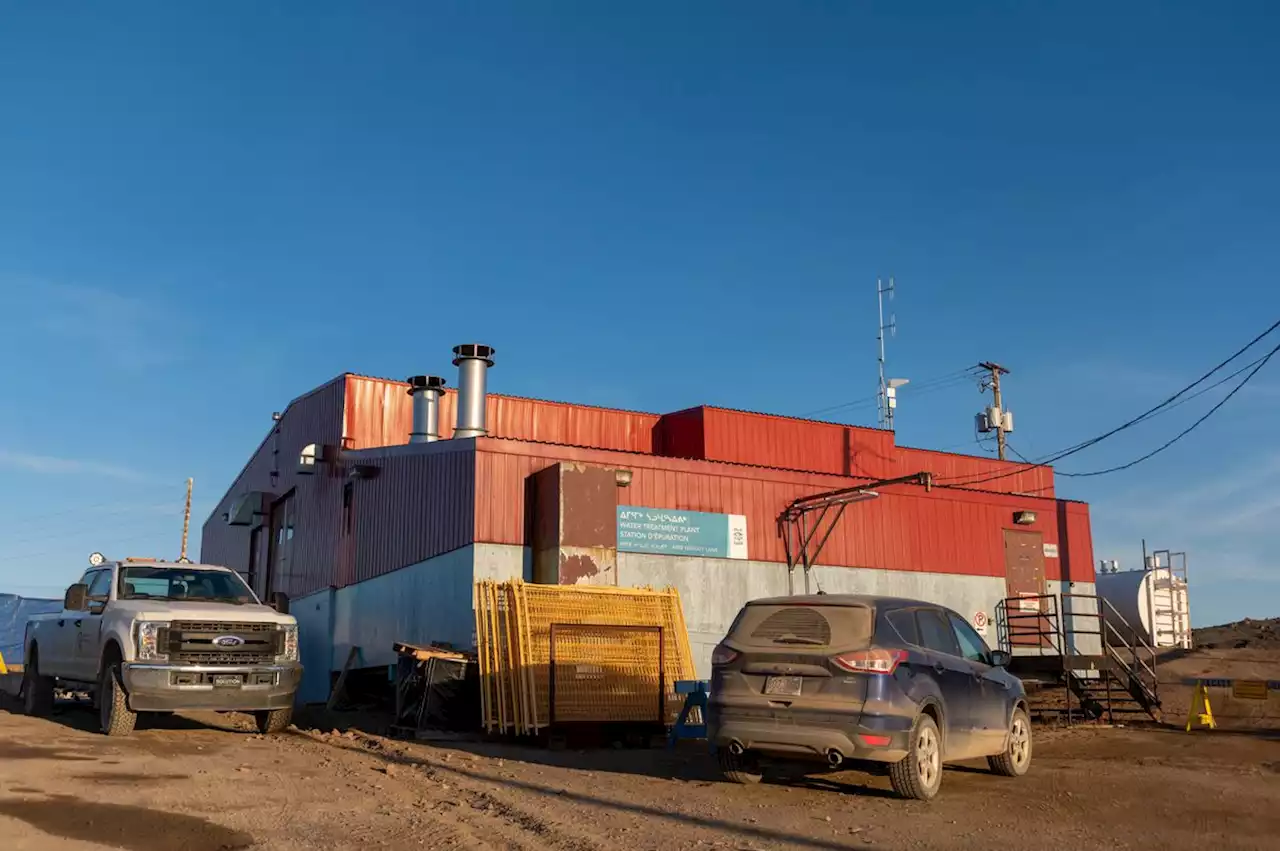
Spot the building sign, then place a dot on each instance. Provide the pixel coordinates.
(1050, 550)
(980, 622)
(667, 531)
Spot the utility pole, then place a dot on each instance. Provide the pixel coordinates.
(995, 418)
(885, 419)
(186, 521)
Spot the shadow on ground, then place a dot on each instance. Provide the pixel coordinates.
(119, 826)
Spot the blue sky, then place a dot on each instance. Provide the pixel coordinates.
(207, 209)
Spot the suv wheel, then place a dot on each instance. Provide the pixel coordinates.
(273, 720)
(918, 775)
(1016, 758)
(739, 768)
(114, 714)
(37, 691)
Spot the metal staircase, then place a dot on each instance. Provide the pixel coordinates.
(1078, 658)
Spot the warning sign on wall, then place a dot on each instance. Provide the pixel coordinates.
(980, 622)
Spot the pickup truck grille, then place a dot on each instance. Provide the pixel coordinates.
(192, 642)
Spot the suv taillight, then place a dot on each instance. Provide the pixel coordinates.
(874, 661)
(723, 655)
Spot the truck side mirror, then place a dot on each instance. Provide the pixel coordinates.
(76, 598)
(280, 602)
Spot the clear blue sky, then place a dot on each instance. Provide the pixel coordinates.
(207, 209)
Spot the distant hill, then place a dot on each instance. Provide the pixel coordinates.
(1254, 634)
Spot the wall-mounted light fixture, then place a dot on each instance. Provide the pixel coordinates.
(1024, 518)
(622, 477)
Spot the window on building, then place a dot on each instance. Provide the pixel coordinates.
(936, 633)
(972, 647)
(283, 519)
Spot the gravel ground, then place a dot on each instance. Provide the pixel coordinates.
(204, 783)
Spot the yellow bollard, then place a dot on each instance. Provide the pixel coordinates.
(1201, 712)
(3, 669)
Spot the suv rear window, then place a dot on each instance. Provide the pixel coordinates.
(803, 626)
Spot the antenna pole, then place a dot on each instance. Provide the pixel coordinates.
(885, 418)
(186, 520)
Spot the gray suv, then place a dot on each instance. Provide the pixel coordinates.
(853, 679)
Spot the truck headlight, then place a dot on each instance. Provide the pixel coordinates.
(289, 644)
(149, 640)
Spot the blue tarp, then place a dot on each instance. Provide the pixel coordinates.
(14, 612)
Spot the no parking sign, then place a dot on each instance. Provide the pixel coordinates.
(980, 622)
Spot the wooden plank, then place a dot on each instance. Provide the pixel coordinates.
(352, 655)
(422, 654)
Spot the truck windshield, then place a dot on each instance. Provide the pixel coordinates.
(177, 583)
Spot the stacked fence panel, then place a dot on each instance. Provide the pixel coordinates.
(574, 654)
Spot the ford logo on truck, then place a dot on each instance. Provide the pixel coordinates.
(228, 641)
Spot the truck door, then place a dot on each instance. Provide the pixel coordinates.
(89, 629)
(58, 643)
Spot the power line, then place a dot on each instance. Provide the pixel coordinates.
(958, 481)
(928, 385)
(1186, 430)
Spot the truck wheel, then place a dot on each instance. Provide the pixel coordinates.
(114, 714)
(742, 768)
(918, 775)
(1016, 758)
(272, 721)
(37, 691)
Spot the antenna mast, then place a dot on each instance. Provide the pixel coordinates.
(884, 396)
(186, 521)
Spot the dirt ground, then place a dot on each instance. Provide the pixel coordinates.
(205, 784)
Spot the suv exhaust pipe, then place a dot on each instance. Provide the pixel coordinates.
(834, 758)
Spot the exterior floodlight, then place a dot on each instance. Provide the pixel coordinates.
(899, 382)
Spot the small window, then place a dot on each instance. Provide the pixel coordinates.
(100, 586)
(902, 622)
(972, 647)
(936, 633)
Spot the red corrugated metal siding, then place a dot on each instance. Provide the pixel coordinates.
(379, 412)
(971, 472)
(743, 437)
(418, 506)
(313, 418)
(947, 530)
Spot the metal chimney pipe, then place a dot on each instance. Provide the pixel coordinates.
(473, 361)
(425, 391)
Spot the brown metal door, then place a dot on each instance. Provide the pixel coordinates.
(1024, 586)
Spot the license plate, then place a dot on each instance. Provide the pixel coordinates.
(228, 680)
(783, 685)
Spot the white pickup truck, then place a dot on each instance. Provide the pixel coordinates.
(155, 636)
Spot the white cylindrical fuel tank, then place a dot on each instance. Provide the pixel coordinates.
(1151, 602)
